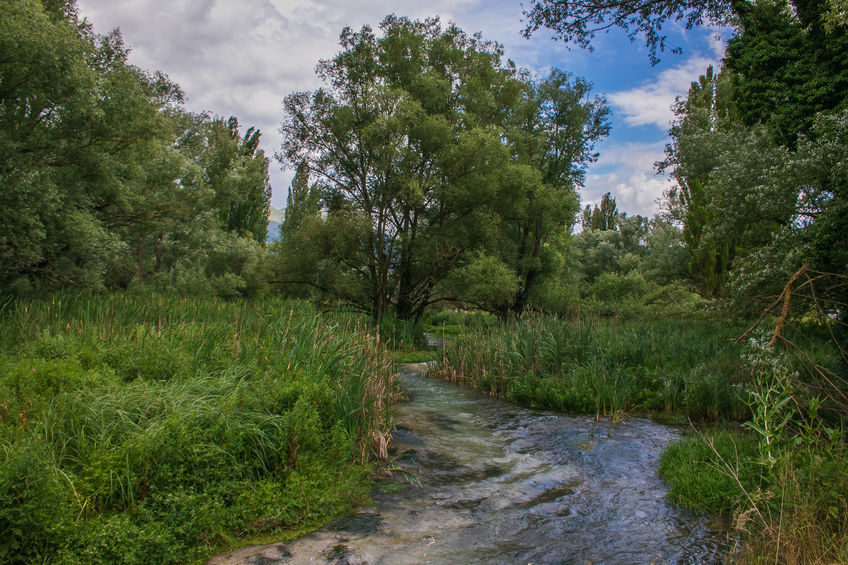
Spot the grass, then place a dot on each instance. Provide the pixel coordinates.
(665, 367)
(705, 470)
(793, 511)
(141, 429)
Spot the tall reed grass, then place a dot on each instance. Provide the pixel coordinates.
(155, 428)
(603, 366)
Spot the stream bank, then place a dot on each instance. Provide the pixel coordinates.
(503, 484)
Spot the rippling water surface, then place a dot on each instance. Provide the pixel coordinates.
(504, 484)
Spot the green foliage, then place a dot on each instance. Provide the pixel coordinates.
(619, 289)
(303, 205)
(787, 67)
(637, 267)
(814, 175)
(237, 171)
(554, 130)
(47, 88)
(436, 165)
(755, 154)
(771, 403)
(408, 109)
(598, 367)
(120, 538)
(704, 137)
(603, 217)
(487, 282)
(106, 180)
(836, 15)
(35, 502)
(144, 428)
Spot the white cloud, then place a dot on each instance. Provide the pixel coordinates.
(241, 57)
(627, 172)
(650, 104)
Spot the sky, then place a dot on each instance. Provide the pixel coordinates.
(242, 57)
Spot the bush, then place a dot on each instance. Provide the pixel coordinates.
(35, 503)
(614, 288)
(123, 538)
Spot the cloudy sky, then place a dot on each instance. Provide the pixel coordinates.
(241, 57)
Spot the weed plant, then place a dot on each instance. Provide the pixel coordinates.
(156, 429)
(785, 481)
(800, 513)
(601, 366)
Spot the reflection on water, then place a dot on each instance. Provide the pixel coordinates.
(504, 484)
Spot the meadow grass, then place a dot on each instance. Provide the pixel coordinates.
(144, 428)
(706, 470)
(791, 511)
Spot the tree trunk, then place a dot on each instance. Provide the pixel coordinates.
(139, 257)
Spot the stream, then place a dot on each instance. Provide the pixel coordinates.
(503, 484)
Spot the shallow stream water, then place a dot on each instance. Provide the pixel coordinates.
(503, 484)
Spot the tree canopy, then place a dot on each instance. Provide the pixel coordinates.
(106, 179)
(755, 159)
(577, 22)
(437, 165)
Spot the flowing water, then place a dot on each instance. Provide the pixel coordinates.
(504, 484)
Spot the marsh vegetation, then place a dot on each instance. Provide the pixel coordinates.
(172, 385)
(146, 428)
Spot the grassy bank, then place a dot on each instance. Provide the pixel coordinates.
(665, 367)
(147, 429)
(792, 510)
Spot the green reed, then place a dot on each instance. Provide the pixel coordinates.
(157, 428)
(600, 366)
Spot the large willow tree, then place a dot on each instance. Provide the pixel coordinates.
(412, 149)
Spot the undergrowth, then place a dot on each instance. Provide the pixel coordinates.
(153, 429)
(785, 481)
